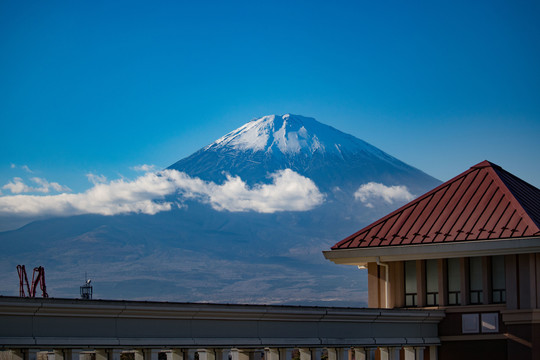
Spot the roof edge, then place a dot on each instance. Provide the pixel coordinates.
(362, 256)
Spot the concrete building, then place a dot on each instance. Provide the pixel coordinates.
(470, 247)
(67, 329)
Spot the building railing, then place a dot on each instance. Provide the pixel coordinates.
(410, 299)
(476, 296)
(454, 297)
(432, 298)
(499, 296)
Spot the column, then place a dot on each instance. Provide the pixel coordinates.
(206, 354)
(138, 354)
(486, 280)
(408, 353)
(397, 284)
(510, 264)
(383, 353)
(239, 354)
(373, 286)
(433, 353)
(464, 266)
(420, 283)
(443, 282)
(360, 354)
(419, 352)
(527, 281)
(305, 354)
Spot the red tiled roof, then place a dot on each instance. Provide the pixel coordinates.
(485, 202)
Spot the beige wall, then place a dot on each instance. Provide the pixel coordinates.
(522, 282)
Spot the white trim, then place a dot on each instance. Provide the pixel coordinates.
(362, 256)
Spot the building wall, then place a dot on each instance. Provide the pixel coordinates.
(518, 319)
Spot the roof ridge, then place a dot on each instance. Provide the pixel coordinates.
(528, 209)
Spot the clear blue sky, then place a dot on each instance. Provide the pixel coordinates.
(101, 86)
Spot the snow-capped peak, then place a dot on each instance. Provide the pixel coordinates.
(288, 134)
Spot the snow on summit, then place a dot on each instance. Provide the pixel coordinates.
(288, 134)
(311, 149)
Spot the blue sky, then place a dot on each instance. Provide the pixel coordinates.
(99, 86)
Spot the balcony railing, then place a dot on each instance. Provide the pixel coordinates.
(454, 297)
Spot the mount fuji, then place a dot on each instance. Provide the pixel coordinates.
(303, 186)
(327, 156)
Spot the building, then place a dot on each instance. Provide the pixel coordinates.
(471, 247)
(81, 329)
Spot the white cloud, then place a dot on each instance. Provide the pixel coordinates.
(144, 168)
(24, 167)
(288, 191)
(46, 186)
(96, 179)
(17, 186)
(371, 191)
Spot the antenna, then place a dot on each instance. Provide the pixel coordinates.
(86, 289)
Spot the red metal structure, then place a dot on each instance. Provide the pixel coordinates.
(38, 276)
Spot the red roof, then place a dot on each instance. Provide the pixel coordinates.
(485, 202)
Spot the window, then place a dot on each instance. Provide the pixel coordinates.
(454, 281)
(432, 283)
(475, 280)
(410, 283)
(498, 279)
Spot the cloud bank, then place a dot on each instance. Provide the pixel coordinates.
(371, 191)
(147, 194)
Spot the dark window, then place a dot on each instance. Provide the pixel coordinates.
(454, 281)
(410, 283)
(432, 283)
(498, 279)
(475, 280)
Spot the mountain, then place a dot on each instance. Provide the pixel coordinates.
(315, 150)
(201, 252)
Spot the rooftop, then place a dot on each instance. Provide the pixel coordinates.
(483, 203)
